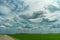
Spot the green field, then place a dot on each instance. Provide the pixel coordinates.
(36, 36)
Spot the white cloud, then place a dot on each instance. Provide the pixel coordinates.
(36, 27)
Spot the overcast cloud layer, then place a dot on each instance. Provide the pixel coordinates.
(29, 16)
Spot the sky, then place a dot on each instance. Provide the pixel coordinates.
(29, 16)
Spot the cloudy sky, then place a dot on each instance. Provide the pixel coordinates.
(29, 16)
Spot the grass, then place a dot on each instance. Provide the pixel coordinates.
(36, 36)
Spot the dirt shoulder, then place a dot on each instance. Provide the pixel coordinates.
(6, 37)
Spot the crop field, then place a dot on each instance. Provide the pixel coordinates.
(36, 36)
